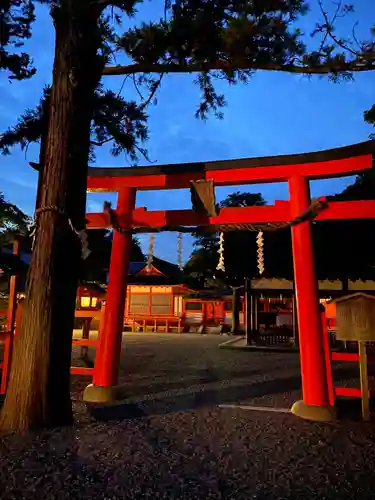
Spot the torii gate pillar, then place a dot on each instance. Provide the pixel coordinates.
(315, 404)
(105, 379)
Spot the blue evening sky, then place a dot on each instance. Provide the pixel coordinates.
(274, 114)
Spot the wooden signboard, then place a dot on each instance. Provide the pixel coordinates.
(355, 317)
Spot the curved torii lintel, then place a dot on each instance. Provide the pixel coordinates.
(348, 160)
(337, 162)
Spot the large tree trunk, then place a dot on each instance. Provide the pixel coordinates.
(42, 160)
(39, 388)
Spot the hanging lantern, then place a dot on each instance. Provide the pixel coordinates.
(260, 252)
(221, 266)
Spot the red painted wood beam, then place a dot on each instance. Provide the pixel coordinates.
(279, 212)
(345, 356)
(348, 210)
(143, 218)
(85, 343)
(88, 314)
(351, 356)
(233, 176)
(349, 392)
(80, 370)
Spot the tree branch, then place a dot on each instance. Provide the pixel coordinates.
(320, 69)
(329, 29)
(97, 143)
(153, 92)
(328, 24)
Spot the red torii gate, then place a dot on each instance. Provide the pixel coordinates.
(297, 170)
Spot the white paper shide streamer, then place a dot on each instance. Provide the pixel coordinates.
(221, 266)
(179, 251)
(260, 252)
(150, 256)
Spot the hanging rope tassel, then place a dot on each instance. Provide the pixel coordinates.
(83, 238)
(150, 256)
(221, 264)
(179, 251)
(260, 252)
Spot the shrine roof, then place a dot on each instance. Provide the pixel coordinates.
(162, 272)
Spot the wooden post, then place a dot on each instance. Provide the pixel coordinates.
(364, 380)
(251, 313)
(110, 336)
(235, 311)
(85, 336)
(247, 329)
(12, 302)
(11, 316)
(315, 404)
(327, 350)
(294, 320)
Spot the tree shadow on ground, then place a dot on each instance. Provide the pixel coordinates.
(204, 398)
(194, 400)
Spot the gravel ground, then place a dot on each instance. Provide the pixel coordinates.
(170, 439)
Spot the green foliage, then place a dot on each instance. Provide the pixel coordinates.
(31, 126)
(123, 123)
(348, 246)
(238, 199)
(12, 221)
(369, 116)
(115, 120)
(226, 39)
(226, 33)
(341, 51)
(16, 17)
(362, 189)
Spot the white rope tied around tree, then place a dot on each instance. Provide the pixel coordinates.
(179, 251)
(221, 265)
(260, 252)
(150, 255)
(82, 233)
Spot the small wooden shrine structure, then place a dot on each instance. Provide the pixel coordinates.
(154, 298)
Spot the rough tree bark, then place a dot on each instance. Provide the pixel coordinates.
(42, 154)
(39, 387)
